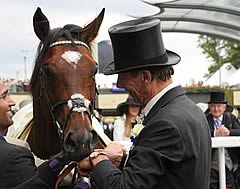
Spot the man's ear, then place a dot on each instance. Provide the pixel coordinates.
(146, 76)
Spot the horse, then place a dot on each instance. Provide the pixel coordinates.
(63, 88)
(63, 91)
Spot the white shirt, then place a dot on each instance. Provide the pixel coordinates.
(217, 118)
(118, 130)
(154, 100)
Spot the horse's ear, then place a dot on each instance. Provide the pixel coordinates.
(91, 30)
(40, 24)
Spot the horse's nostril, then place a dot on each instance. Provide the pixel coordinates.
(77, 140)
(69, 144)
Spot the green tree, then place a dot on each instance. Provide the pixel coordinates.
(219, 51)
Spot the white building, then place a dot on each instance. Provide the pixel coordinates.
(221, 77)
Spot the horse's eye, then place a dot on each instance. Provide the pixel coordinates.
(50, 71)
(93, 78)
(47, 71)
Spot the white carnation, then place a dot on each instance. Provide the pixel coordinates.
(137, 129)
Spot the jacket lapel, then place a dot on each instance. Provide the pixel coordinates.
(165, 99)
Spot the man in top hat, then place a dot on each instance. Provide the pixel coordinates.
(222, 123)
(173, 150)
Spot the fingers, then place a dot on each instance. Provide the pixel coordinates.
(222, 131)
(85, 164)
(113, 147)
(114, 152)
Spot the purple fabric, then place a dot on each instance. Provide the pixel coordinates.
(1, 136)
(55, 165)
(81, 185)
(133, 140)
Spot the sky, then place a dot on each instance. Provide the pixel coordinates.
(18, 39)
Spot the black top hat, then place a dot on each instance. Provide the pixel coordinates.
(217, 97)
(123, 107)
(138, 44)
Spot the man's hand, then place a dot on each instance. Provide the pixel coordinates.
(222, 131)
(85, 167)
(113, 152)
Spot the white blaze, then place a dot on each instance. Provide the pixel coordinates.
(72, 57)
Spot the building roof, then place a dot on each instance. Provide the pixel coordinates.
(234, 79)
(225, 72)
(217, 18)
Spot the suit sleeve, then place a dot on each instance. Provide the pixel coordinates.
(26, 173)
(235, 130)
(157, 144)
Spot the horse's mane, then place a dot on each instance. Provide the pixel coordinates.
(68, 32)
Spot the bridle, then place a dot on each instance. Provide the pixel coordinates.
(76, 103)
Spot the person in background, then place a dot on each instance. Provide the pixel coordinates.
(222, 123)
(106, 126)
(129, 111)
(235, 113)
(238, 113)
(18, 169)
(173, 149)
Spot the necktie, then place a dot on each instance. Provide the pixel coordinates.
(217, 123)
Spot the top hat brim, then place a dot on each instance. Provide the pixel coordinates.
(173, 59)
(217, 102)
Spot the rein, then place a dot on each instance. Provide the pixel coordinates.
(76, 103)
(66, 171)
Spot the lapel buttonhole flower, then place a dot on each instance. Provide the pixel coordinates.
(137, 128)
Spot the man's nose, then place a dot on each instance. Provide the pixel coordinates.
(119, 83)
(11, 101)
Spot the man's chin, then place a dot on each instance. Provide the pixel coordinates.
(10, 114)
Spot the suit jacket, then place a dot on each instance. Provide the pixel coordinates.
(173, 151)
(18, 170)
(230, 122)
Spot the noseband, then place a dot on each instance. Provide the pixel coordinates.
(76, 103)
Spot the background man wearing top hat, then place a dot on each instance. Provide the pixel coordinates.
(223, 123)
(173, 150)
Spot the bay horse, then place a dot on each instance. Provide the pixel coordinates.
(63, 88)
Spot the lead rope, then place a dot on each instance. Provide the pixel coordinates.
(66, 170)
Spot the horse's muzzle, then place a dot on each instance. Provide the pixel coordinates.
(78, 145)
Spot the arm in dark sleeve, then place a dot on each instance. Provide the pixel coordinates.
(235, 130)
(145, 165)
(27, 175)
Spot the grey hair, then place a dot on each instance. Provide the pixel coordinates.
(162, 73)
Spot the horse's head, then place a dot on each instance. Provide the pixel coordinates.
(63, 87)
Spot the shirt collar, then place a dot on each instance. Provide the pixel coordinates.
(153, 101)
(219, 118)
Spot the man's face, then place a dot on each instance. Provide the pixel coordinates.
(6, 104)
(132, 84)
(217, 109)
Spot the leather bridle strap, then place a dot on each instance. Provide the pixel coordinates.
(65, 172)
(49, 104)
(77, 103)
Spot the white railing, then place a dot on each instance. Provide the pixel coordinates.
(221, 143)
